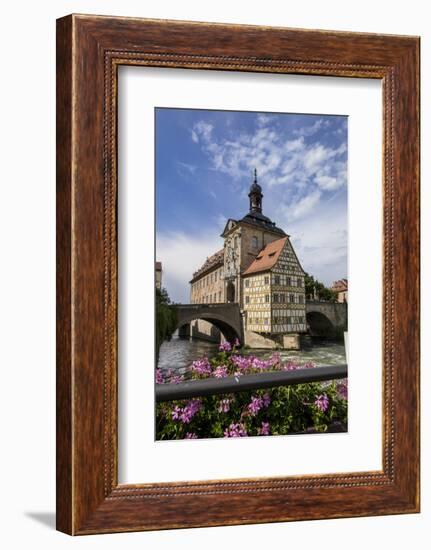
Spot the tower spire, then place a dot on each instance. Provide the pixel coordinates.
(255, 195)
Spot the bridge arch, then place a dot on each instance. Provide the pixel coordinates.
(319, 324)
(326, 318)
(226, 317)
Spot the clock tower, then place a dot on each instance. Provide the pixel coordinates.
(255, 195)
(244, 239)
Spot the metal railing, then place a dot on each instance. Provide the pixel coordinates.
(234, 384)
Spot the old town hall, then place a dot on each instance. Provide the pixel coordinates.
(258, 269)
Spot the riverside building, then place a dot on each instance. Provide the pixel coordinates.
(258, 269)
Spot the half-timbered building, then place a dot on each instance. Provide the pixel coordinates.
(258, 269)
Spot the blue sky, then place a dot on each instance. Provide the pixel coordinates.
(204, 165)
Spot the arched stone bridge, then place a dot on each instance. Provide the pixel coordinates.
(326, 318)
(323, 318)
(226, 317)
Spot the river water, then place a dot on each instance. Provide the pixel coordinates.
(179, 353)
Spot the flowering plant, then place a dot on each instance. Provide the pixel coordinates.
(311, 407)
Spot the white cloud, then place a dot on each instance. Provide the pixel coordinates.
(202, 131)
(311, 130)
(263, 119)
(304, 206)
(294, 145)
(309, 175)
(315, 156)
(185, 169)
(320, 240)
(327, 183)
(292, 162)
(181, 255)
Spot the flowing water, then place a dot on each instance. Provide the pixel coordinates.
(179, 353)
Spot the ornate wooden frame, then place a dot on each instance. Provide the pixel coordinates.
(89, 50)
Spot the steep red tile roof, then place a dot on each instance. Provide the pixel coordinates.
(210, 263)
(267, 257)
(339, 286)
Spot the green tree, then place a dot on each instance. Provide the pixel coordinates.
(166, 318)
(314, 289)
(309, 286)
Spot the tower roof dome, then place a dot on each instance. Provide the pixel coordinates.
(255, 187)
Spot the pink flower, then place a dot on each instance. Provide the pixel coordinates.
(242, 363)
(255, 405)
(225, 346)
(264, 430)
(191, 435)
(176, 379)
(237, 342)
(322, 402)
(266, 400)
(176, 413)
(189, 411)
(201, 366)
(224, 405)
(186, 413)
(220, 372)
(289, 366)
(159, 377)
(342, 390)
(236, 430)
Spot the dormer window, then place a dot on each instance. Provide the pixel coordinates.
(255, 242)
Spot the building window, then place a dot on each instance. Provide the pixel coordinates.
(267, 280)
(219, 296)
(266, 321)
(267, 298)
(301, 299)
(292, 298)
(247, 283)
(300, 281)
(215, 277)
(289, 281)
(277, 279)
(247, 299)
(282, 298)
(255, 242)
(275, 298)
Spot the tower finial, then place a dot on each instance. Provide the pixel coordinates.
(255, 195)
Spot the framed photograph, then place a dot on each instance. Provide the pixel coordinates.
(237, 274)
